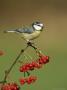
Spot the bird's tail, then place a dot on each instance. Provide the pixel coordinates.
(11, 31)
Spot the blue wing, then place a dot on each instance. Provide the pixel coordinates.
(25, 30)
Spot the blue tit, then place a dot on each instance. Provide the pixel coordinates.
(29, 33)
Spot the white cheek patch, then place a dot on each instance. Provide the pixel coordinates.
(37, 27)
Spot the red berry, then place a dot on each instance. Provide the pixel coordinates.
(40, 61)
(6, 87)
(34, 64)
(14, 86)
(21, 69)
(31, 79)
(31, 67)
(44, 59)
(22, 81)
(24, 68)
(47, 58)
(28, 80)
(38, 65)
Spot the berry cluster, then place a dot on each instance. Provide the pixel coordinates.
(29, 66)
(43, 59)
(29, 80)
(32, 66)
(10, 86)
(35, 64)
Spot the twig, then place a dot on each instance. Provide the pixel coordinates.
(30, 44)
(9, 70)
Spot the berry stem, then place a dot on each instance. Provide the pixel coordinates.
(24, 74)
(28, 73)
(34, 47)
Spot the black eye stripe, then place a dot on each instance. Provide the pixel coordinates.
(38, 25)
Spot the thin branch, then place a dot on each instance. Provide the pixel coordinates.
(9, 70)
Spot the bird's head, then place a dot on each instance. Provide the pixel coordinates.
(38, 26)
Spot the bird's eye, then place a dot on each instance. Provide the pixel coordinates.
(38, 25)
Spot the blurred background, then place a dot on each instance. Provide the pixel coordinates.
(52, 41)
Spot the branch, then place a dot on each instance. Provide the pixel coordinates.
(15, 61)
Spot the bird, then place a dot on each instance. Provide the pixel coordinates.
(29, 33)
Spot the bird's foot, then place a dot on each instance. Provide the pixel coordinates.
(31, 44)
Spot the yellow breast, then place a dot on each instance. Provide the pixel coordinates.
(31, 36)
